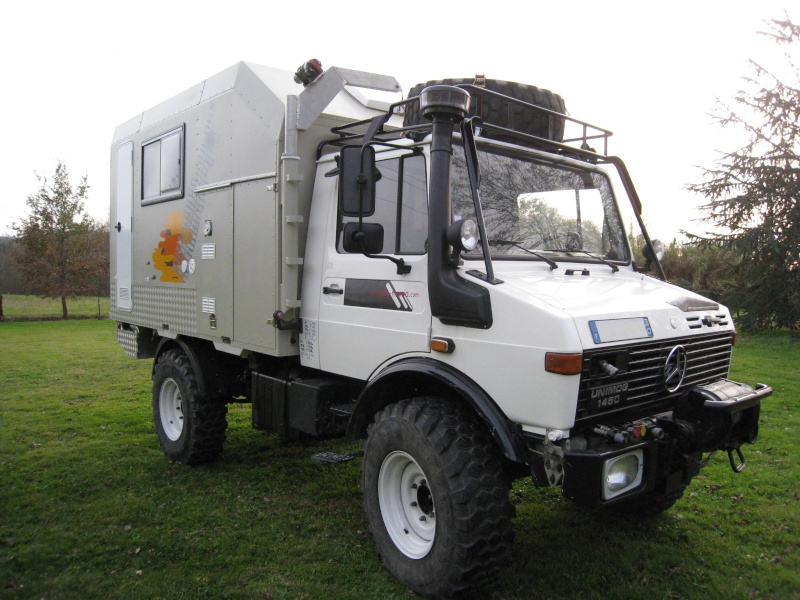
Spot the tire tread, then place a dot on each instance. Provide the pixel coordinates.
(203, 440)
(479, 488)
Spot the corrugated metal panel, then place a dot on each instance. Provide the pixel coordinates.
(154, 306)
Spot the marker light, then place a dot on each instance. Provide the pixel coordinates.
(445, 345)
(563, 364)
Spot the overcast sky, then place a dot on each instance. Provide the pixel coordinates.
(650, 72)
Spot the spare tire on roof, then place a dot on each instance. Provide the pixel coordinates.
(501, 112)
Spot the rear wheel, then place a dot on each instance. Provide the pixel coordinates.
(190, 426)
(436, 497)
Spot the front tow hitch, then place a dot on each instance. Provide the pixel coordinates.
(718, 416)
(737, 467)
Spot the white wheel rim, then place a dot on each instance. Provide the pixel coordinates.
(170, 408)
(406, 504)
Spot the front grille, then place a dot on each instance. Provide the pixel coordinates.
(638, 390)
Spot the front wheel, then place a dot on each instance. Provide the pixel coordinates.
(190, 426)
(436, 497)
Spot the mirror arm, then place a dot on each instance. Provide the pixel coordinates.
(402, 267)
(636, 203)
(473, 172)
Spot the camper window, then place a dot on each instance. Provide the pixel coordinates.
(162, 167)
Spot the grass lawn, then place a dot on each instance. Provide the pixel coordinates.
(18, 307)
(91, 508)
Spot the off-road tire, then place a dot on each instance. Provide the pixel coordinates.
(190, 427)
(467, 493)
(500, 112)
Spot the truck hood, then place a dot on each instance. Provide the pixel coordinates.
(670, 311)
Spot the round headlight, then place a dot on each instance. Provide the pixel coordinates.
(463, 235)
(658, 247)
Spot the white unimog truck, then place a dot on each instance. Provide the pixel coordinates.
(455, 286)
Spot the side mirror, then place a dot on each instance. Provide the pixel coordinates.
(659, 250)
(364, 238)
(357, 181)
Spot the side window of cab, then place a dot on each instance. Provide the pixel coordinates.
(401, 207)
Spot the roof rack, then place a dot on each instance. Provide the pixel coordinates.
(587, 130)
(576, 145)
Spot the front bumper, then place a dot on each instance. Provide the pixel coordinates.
(721, 415)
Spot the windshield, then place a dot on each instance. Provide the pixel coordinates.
(540, 207)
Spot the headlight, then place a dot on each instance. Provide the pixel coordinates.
(463, 235)
(622, 474)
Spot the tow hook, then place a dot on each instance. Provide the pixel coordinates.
(737, 468)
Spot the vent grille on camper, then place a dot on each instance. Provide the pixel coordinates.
(209, 305)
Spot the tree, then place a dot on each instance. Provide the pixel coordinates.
(753, 192)
(57, 243)
(700, 268)
(10, 274)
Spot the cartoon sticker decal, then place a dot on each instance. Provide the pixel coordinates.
(168, 256)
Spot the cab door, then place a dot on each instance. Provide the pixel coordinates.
(368, 312)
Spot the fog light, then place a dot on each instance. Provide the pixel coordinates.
(622, 474)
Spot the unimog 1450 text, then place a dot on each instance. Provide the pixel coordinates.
(446, 276)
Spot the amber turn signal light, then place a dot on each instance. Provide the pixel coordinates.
(563, 364)
(445, 345)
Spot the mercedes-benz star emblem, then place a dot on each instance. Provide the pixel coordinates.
(675, 368)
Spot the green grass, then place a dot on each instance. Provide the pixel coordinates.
(90, 507)
(18, 307)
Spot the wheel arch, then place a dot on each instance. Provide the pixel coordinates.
(424, 376)
(202, 357)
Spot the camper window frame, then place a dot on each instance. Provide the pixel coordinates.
(171, 193)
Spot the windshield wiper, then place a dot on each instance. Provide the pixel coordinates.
(551, 263)
(614, 268)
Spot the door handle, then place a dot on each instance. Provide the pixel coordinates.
(330, 290)
(118, 227)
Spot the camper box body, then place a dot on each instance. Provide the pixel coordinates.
(211, 207)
